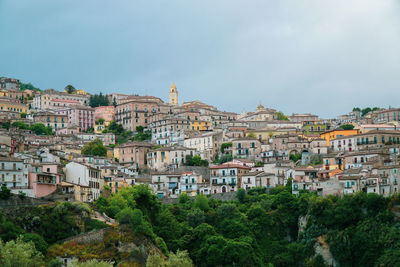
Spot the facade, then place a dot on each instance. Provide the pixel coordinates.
(44, 179)
(51, 119)
(303, 117)
(135, 111)
(333, 134)
(81, 116)
(200, 125)
(107, 113)
(85, 176)
(189, 183)
(45, 99)
(169, 131)
(259, 179)
(165, 184)
(312, 129)
(249, 148)
(168, 157)
(226, 177)
(207, 145)
(106, 138)
(14, 174)
(9, 84)
(8, 106)
(392, 114)
(133, 153)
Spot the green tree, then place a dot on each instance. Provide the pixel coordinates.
(21, 254)
(23, 115)
(241, 195)
(98, 100)
(195, 161)
(282, 117)
(225, 146)
(180, 259)
(70, 89)
(94, 148)
(91, 263)
(347, 126)
(5, 193)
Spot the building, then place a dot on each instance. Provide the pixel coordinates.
(259, 179)
(206, 145)
(189, 183)
(135, 111)
(106, 138)
(173, 95)
(9, 84)
(165, 184)
(81, 116)
(303, 117)
(84, 176)
(314, 129)
(200, 125)
(133, 153)
(333, 134)
(392, 114)
(45, 100)
(168, 157)
(14, 174)
(44, 179)
(226, 177)
(51, 119)
(169, 131)
(107, 113)
(8, 106)
(247, 147)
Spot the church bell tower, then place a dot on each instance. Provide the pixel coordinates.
(173, 95)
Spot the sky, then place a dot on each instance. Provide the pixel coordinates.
(297, 56)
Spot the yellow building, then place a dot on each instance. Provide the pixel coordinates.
(80, 92)
(200, 125)
(266, 134)
(332, 135)
(117, 184)
(116, 152)
(13, 107)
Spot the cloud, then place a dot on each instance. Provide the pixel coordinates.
(297, 56)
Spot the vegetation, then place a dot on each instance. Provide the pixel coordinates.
(282, 117)
(94, 148)
(70, 89)
(295, 157)
(180, 259)
(5, 193)
(223, 158)
(366, 110)
(36, 128)
(195, 161)
(347, 126)
(23, 115)
(20, 253)
(121, 135)
(225, 146)
(98, 100)
(28, 86)
(141, 134)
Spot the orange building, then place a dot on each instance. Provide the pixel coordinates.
(332, 135)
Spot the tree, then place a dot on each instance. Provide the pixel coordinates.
(282, 117)
(347, 126)
(180, 259)
(100, 121)
(251, 134)
(98, 100)
(356, 109)
(225, 146)
(295, 157)
(91, 263)
(94, 148)
(21, 254)
(23, 115)
(41, 129)
(5, 193)
(241, 195)
(70, 89)
(195, 161)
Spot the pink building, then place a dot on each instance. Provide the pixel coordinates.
(44, 179)
(56, 103)
(81, 116)
(105, 112)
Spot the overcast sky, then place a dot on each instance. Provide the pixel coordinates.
(315, 56)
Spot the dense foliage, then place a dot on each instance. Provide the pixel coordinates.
(141, 134)
(282, 117)
(195, 161)
(28, 86)
(366, 110)
(121, 135)
(94, 148)
(98, 100)
(263, 228)
(37, 128)
(347, 126)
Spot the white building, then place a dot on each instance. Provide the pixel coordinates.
(206, 145)
(14, 175)
(259, 179)
(86, 176)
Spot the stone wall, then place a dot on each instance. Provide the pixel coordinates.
(91, 237)
(228, 196)
(16, 201)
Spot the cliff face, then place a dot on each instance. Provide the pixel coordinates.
(117, 244)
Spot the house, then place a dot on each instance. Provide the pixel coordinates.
(81, 116)
(303, 117)
(14, 175)
(133, 154)
(169, 131)
(44, 178)
(85, 176)
(333, 134)
(226, 177)
(207, 145)
(189, 183)
(168, 157)
(165, 184)
(247, 147)
(259, 179)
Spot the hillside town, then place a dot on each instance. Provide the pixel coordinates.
(70, 145)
